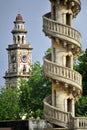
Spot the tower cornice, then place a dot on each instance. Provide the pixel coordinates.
(21, 46)
(14, 31)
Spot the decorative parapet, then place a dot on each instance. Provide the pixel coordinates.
(80, 123)
(54, 115)
(63, 74)
(62, 31)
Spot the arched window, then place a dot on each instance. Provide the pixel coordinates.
(18, 38)
(24, 69)
(69, 105)
(54, 97)
(14, 68)
(18, 26)
(22, 39)
(14, 38)
(68, 61)
(68, 19)
(54, 54)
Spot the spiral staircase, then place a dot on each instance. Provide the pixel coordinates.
(59, 108)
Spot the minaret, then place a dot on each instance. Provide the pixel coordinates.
(58, 66)
(19, 55)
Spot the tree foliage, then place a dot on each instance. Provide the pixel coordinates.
(9, 104)
(81, 67)
(28, 100)
(81, 107)
(34, 91)
(49, 50)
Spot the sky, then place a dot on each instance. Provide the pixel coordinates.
(32, 12)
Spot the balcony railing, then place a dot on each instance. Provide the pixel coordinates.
(64, 119)
(54, 115)
(63, 74)
(53, 28)
(80, 123)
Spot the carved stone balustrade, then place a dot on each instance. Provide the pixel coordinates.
(62, 74)
(64, 119)
(54, 29)
(80, 123)
(54, 115)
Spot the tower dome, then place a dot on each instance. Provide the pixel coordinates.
(19, 28)
(19, 18)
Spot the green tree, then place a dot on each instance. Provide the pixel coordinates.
(34, 91)
(81, 67)
(49, 50)
(9, 104)
(81, 106)
(28, 99)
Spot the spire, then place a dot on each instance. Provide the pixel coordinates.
(19, 31)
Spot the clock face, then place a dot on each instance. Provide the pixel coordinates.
(24, 58)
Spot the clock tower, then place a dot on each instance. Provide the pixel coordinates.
(19, 55)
